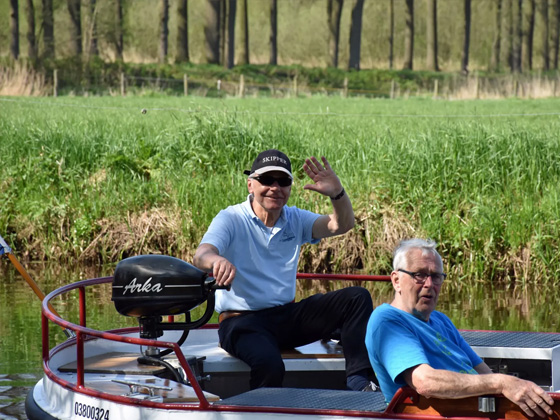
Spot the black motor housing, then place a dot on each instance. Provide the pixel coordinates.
(157, 285)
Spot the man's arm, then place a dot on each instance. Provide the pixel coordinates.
(207, 258)
(440, 383)
(483, 368)
(326, 182)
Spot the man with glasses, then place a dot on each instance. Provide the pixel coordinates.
(410, 343)
(254, 247)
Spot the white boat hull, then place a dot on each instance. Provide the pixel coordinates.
(56, 402)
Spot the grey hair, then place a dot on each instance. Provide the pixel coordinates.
(401, 251)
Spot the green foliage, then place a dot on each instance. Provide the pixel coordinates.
(481, 183)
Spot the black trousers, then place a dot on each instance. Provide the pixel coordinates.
(257, 337)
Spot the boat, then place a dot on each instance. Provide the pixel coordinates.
(169, 369)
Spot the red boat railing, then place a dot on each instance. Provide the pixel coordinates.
(344, 277)
(83, 333)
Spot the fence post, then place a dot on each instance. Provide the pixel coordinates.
(185, 84)
(345, 89)
(122, 84)
(295, 87)
(242, 86)
(476, 86)
(219, 85)
(436, 88)
(392, 88)
(55, 83)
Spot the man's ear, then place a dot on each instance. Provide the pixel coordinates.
(396, 281)
(250, 185)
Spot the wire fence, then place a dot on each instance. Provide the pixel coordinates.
(58, 103)
(454, 87)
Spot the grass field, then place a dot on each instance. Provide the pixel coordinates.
(92, 180)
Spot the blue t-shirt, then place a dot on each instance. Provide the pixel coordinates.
(266, 259)
(397, 341)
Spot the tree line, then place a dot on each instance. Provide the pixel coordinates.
(227, 28)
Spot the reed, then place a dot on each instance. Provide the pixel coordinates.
(20, 79)
(93, 180)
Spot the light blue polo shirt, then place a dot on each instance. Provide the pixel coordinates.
(266, 258)
(397, 341)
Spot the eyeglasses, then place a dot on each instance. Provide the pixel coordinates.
(268, 180)
(420, 277)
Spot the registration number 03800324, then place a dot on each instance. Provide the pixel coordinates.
(90, 412)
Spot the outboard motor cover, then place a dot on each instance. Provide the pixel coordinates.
(156, 285)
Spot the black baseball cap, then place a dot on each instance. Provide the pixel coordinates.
(271, 160)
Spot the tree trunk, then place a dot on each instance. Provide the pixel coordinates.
(409, 36)
(48, 29)
(93, 48)
(232, 10)
(507, 27)
(543, 9)
(527, 49)
(555, 32)
(391, 32)
(163, 31)
(119, 30)
(182, 53)
(243, 57)
(223, 32)
(273, 60)
(495, 63)
(431, 36)
(74, 8)
(517, 35)
(334, 13)
(14, 29)
(212, 31)
(467, 37)
(356, 35)
(31, 39)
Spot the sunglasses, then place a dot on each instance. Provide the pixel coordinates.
(268, 180)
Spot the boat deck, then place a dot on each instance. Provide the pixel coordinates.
(318, 399)
(511, 339)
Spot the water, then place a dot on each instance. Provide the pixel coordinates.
(500, 307)
(20, 327)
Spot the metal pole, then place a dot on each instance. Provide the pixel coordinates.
(5, 249)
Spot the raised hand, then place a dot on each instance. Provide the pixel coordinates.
(326, 182)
